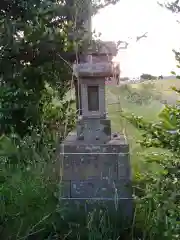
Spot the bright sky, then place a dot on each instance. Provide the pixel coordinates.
(131, 18)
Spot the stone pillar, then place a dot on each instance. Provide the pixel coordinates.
(95, 163)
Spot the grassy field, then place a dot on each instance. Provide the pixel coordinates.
(30, 206)
(116, 98)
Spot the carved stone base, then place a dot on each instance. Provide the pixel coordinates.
(96, 171)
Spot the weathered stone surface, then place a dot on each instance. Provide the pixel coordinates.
(94, 129)
(85, 84)
(98, 69)
(102, 189)
(72, 145)
(106, 126)
(94, 164)
(81, 161)
(82, 166)
(124, 167)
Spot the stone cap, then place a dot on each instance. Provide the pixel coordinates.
(98, 69)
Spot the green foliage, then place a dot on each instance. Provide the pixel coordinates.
(164, 133)
(34, 77)
(27, 204)
(158, 205)
(140, 96)
(34, 71)
(158, 202)
(147, 76)
(126, 88)
(149, 90)
(32, 50)
(27, 200)
(143, 94)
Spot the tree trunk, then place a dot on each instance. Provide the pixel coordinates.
(78, 97)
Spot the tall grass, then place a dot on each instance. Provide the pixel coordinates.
(27, 190)
(30, 206)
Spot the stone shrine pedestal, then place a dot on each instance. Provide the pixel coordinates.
(95, 164)
(97, 172)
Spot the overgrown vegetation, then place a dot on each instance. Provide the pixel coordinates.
(147, 76)
(36, 53)
(143, 95)
(161, 197)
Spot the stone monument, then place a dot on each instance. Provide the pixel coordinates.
(95, 166)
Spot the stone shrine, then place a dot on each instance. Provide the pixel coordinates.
(94, 162)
